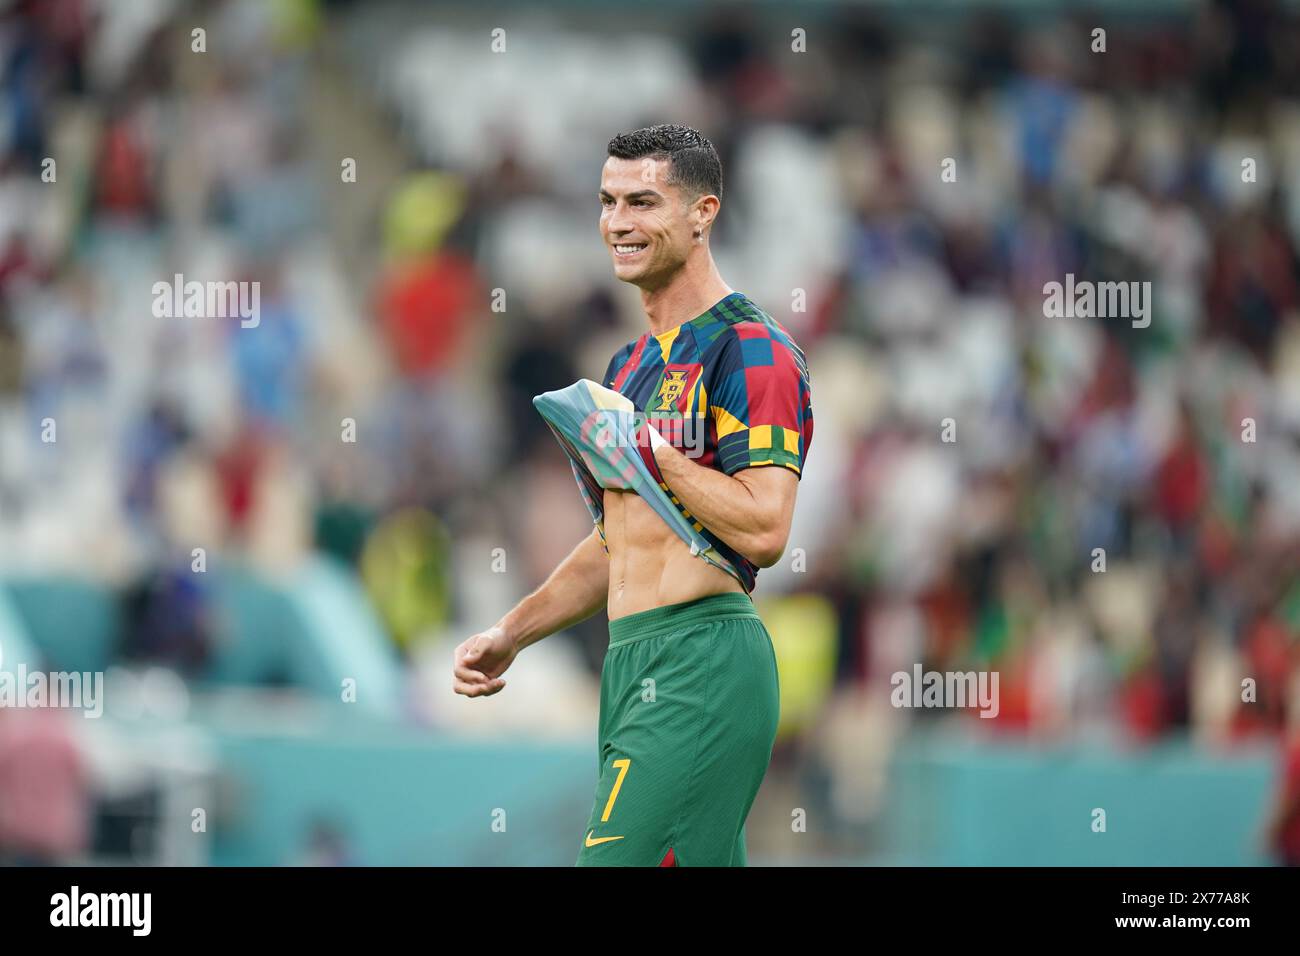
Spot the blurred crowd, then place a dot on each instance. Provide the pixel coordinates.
(1114, 526)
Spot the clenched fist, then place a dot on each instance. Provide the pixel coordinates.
(480, 661)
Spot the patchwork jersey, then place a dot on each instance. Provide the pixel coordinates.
(729, 389)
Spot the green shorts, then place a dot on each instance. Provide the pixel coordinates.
(688, 712)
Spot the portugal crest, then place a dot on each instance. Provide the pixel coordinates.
(674, 385)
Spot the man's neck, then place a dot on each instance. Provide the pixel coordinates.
(695, 289)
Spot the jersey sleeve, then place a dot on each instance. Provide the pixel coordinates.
(761, 401)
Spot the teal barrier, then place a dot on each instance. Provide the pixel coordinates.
(72, 623)
(400, 797)
(16, 648)
(342, 638)
(313, 629)
(984, 803)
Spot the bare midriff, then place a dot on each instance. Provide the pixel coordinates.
(649, 565)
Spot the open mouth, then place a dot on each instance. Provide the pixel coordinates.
(626, 250)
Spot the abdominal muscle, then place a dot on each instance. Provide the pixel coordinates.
(649, 565)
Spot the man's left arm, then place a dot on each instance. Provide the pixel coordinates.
(761, 410)
(750, 510)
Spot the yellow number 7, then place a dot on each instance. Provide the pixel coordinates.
(622, 766)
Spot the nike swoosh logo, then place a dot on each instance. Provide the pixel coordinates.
(591, 842)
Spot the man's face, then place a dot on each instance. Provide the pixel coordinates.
(645, 223)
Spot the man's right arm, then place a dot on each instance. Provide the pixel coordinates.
(575, 590)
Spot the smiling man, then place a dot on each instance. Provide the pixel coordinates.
(689, 697)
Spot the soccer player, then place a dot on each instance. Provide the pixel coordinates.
(689, 695)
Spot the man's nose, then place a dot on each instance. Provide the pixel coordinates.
(619, 220)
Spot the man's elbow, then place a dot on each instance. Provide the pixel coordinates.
(767, 549)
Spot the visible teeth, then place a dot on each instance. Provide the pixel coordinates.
(625, 250)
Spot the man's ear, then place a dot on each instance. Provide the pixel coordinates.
(706, 210)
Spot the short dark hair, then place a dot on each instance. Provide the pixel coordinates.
(693, 163)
